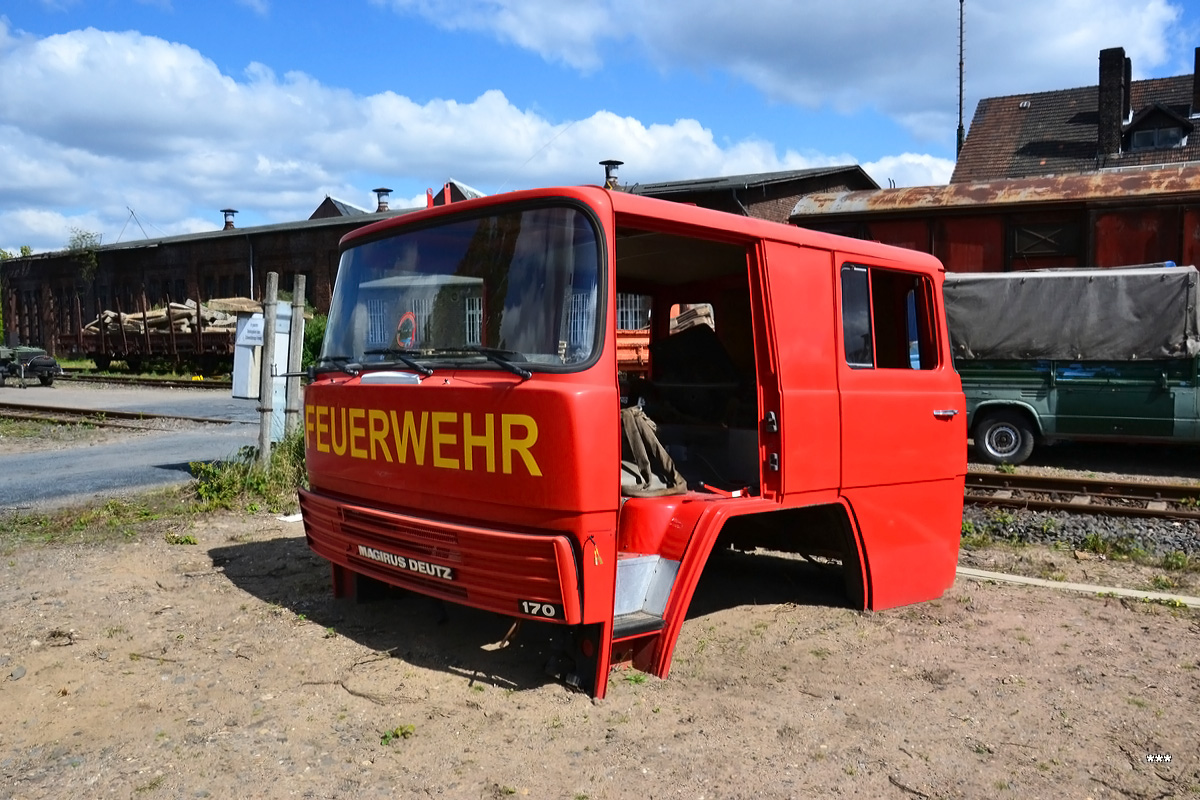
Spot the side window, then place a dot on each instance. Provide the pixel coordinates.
(887, 319)
(856, 316)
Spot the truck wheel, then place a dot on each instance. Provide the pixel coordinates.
(47, 380)
(1004, 437)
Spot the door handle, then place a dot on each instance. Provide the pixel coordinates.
(945, 413)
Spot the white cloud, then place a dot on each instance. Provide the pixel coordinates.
(182, 137)
(900, 59)
(566, 32)
(910, 169)
(95, 122)
(260, 7)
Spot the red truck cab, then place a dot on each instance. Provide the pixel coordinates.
(469, 436)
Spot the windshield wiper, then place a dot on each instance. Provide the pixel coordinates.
(403, 356)
(493, 354)
(337, 364)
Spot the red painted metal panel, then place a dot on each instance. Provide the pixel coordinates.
(903, 461)
(970, 244)
(910, 233)
(800, 298)
(910, 535)
(467, 437)
(1137, 237)
(1191, 237)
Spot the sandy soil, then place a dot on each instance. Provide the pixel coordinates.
(224, 669)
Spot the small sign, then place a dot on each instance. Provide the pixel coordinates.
(406, 331)
(251, 334)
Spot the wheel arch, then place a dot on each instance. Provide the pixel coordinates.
(989, 407)
(822, 529)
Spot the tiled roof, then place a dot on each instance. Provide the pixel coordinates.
(347, 209)
(1055, 133)
(745, 181)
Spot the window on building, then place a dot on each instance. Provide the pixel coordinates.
(1035, 240)
(474, 321)
(633, 312)
(422, 308)
(1157, 138)
(581, 320)
(377, 327)
(887, 319)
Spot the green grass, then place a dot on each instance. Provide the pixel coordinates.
(399, 732)
(242, 482)
(1121, 547)
(114, 520)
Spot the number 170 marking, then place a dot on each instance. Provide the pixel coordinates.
(546, 610)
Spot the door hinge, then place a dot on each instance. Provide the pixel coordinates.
(771, 422)
(773, 461)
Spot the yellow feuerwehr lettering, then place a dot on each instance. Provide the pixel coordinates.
(309, 414)
(378, 433)
(443, 438)
(365, 433)
(486, 440)
(322, 413)
(333, 431)
(511, 444)
(357, 431)
(408, 433)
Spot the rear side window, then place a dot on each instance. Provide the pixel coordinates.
(887, 319)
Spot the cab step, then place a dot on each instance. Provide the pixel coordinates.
(637, 623)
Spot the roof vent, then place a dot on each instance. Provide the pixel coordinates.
(1024, 104)
(610, 172)
(228, 212)
(382, 199)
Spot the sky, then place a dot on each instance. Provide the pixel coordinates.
(132, 119)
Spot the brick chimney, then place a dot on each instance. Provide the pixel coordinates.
(1111, 99)
(228, 212)
(1196, 84)
(382, 195)
(1127, 92)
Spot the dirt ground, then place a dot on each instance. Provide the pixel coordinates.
(225, 669)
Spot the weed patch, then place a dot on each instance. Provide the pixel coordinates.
(114, 520)
(399, 732)
(243, 481)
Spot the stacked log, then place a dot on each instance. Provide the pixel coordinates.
(182, 317)
(700, 314)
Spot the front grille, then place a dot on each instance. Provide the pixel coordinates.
(492, 569)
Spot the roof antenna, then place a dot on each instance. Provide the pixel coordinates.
(961, 133)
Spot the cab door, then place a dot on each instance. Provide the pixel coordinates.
(903, 423)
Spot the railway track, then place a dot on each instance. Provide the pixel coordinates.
(151, 383)
(1084, 495)
(138, 420)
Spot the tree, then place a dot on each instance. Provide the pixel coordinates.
(26, 250)
(82, 245)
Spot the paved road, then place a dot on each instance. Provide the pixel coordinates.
(41, 479)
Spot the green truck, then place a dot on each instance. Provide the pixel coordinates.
(24, 363)
(1072, 355)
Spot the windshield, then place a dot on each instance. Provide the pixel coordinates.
(518, 285)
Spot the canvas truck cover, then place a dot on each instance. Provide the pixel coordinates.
(1119, 314)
